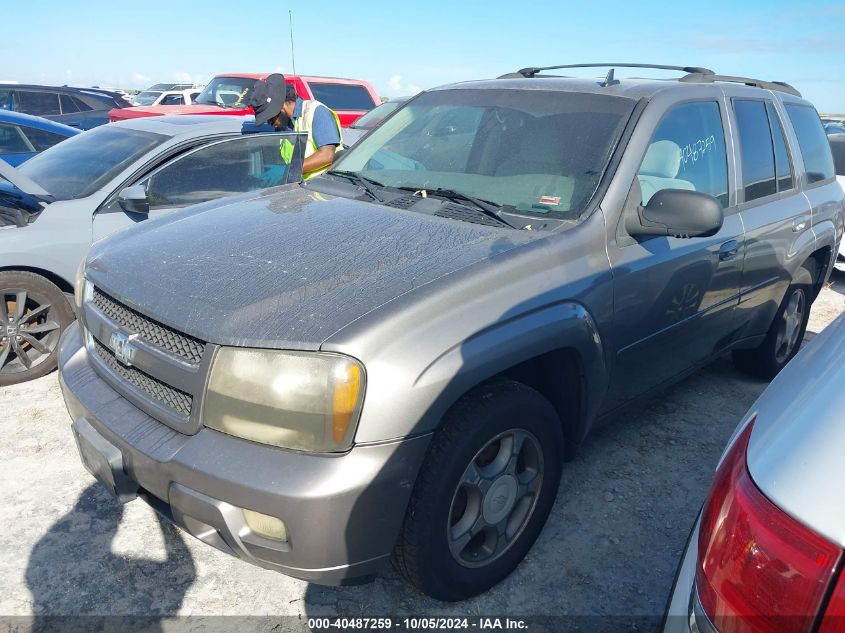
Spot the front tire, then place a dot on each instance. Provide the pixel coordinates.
(33, 315)
(483, 493)
(786, 333)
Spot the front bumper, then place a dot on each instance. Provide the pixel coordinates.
(342, 512)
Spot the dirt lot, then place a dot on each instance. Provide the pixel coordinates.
(610, 548)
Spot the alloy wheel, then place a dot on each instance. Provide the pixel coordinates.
(790, 326)
(28, 334)
(495, 498)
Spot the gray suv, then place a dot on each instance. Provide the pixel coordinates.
(395, 359)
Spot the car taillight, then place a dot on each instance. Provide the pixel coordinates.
(759, 570)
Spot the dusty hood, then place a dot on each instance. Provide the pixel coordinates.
(285, 269)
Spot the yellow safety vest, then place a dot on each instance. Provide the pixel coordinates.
(303, 124)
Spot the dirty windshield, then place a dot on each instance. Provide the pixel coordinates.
(530, 151)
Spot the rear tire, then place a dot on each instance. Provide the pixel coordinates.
(786, 333)
(484, 491)
(33, 315)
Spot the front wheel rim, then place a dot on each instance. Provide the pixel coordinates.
(789, 328)
(495, 498)
(28, 334)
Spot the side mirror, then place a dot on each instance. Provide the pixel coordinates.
(677, 213)
(134, 199)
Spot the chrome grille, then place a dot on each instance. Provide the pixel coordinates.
(179, 401)
(164, 337)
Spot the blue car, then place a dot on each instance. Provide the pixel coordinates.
(22, 136)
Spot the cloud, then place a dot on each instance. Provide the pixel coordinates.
(398, 88)
(140, 78)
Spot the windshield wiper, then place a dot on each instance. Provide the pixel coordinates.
(487, 207)
(368, 184)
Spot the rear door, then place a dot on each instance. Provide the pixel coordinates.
(775, 213)
(674, 299)
(216, 170)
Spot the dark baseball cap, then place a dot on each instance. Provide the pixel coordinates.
(268, 97)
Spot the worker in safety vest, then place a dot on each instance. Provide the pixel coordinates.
(276, 103)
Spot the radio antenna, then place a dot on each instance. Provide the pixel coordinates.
(292, 58)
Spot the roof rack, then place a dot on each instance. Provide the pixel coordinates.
(694, 74)
(532, 71)
(780, 86)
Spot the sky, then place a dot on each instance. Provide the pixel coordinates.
(402, 47)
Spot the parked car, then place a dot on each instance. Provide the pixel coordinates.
(837, 147)
(358, 128)
(22, 136)
(149, 97)
(83, 108)
(834, 128)
(394, 359)
(767, 549)
(99, 182)
(229, 94)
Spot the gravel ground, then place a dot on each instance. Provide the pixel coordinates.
(610, 548)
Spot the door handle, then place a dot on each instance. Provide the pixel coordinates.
(799, 224)
(728, 250)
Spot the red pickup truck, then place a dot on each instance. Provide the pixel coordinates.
(229, 94)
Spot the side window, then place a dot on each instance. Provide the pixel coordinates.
(687, 151)
(783, 164)
(38, 103)
(12, 141)
(68, 105)
(226, 168)
(815, 150)
(41, 139)
(81, 105)
(5, 99)
(755, 142)
(172, 100)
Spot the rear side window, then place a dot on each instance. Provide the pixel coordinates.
(838, 148)
(42, 139)
(687, 151)
(37, 103)
(783, 165)
(81, 105)
(342, 96)
(12, 141)
(755, 141)
(68, 104)
(815, 150)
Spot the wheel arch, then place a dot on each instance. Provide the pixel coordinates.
(556, 350)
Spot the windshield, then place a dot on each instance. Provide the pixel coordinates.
(145, 98)
(228, 92)
(84, 163)
(376, 115)
(531, 151)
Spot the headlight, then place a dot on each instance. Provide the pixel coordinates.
(302, 400)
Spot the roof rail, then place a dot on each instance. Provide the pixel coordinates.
(780, 86)
(532, 71)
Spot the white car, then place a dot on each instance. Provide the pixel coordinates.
(165, 97)
(767, 550)
(837, 146)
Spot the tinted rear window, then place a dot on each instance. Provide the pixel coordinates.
(837, 146)
(342, 96)
(84, 163)
(815, 149)
(42, 139)
(37, 103)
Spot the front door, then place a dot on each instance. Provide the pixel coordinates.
(674, 299)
